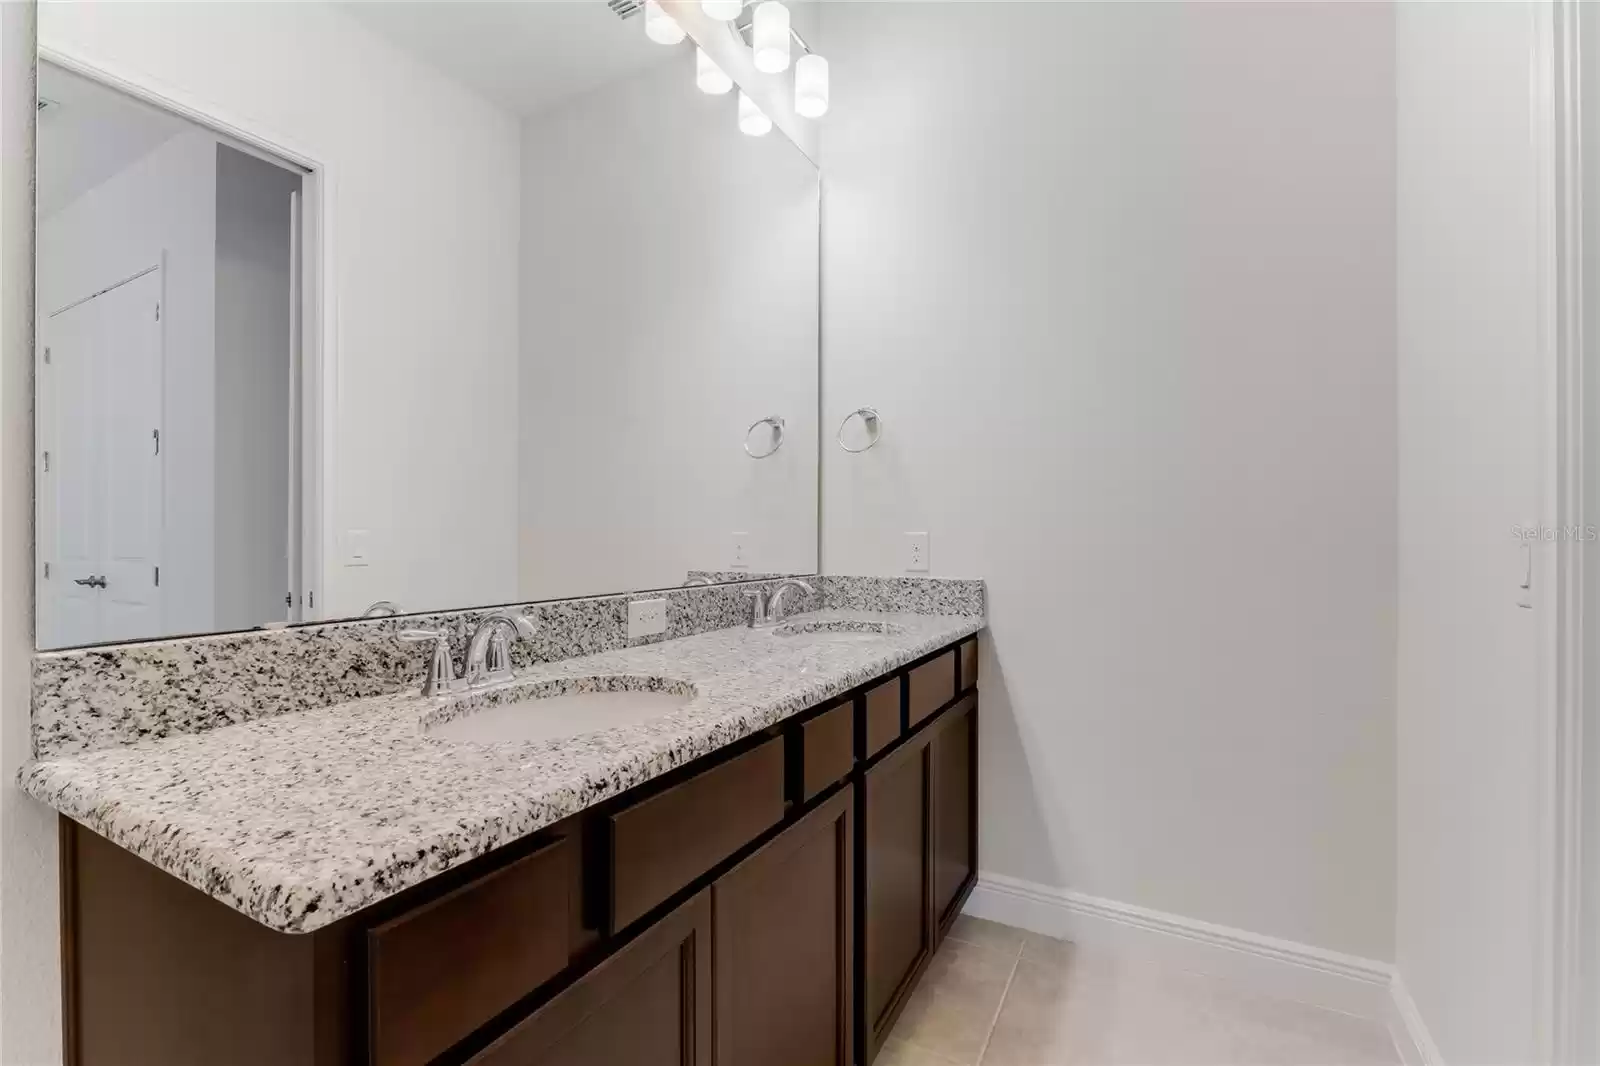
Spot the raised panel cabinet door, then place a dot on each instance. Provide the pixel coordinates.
(647, 1005)
(896, 898)
(953, 753)
(782, 933)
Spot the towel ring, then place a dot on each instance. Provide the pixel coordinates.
(869, 418)
(777, 436)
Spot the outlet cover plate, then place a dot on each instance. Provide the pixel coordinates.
(647, 618)
(917, 553)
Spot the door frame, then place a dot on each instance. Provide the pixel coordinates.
(318, 350)
(1568, 708)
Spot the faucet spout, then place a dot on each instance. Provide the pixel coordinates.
(489, 650)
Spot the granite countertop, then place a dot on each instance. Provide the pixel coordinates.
(302, 819)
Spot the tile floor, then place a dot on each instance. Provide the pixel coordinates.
(1002, 997)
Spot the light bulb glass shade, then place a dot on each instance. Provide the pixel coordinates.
(811, 86)
(722, 10)
(710, 77)
(660, 26)
(770, 37)
(752, 119)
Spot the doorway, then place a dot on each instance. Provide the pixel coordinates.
(208, 525)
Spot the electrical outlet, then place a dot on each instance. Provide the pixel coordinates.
(357, 547)
(917, 553)
(646, 618)
(741, 552)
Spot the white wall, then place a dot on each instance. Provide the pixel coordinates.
(423, 213)
(1469, 460)
(30, 980)
(252, 388)
(669, 286)
(161, 209)
(1119, 278)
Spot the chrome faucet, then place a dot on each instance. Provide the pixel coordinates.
(768, 610)
(489, 650)
(381, 609)
(488, 659)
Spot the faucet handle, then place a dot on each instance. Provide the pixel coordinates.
(441, 675)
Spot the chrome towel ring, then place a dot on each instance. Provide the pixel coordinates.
(874, 426)
(776, 423)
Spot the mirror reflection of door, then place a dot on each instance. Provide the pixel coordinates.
(167, 465)
(99, 430)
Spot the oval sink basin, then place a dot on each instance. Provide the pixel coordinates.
(838, 629)
(556, 709)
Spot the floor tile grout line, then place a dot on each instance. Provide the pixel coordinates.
(995, 1021)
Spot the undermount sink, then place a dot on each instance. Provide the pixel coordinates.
(838, 629)
(556, 709)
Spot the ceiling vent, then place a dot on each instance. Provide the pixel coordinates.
(625, 9)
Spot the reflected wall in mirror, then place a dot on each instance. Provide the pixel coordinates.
(442, 304)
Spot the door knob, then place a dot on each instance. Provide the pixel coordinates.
(92, 581)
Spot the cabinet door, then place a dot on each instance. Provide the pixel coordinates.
(647, 1005)
(953, 755)
(897, 897)
(782, 935)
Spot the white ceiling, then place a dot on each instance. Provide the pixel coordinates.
(89, 134)
(524, 55)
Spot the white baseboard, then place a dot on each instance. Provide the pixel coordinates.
(1411, 1034)
(1346, 983)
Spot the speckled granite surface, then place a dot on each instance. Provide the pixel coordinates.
(300, 819)
(92, 698)
(88, 699)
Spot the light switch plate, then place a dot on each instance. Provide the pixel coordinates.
(646, 618)
(357, 547)
(741, 552)
(917, 553)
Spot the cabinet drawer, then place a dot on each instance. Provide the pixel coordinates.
(933, 684)
(650, 1004)
(969, 664)
(827, 749)
(438, 972)
(662, 843)
(883, 716)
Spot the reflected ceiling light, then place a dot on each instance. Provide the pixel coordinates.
(722, 10)
(710, 77)
(769, 37)
(660, 26)
(811, 86)
(752, 119)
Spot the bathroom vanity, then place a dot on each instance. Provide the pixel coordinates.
(771, 899)
(574, 370)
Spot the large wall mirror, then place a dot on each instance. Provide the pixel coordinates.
(406, 306)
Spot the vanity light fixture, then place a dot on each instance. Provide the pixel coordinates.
(811, 86)
(710, 77)
(722, 10)
(770, 34)
(752, 120)
(769, 37)
(660, 26)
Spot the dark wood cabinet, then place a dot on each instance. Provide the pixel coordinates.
(952, 756)
(647, 1005)
(896, 901)
(772, 903)
(501, 936)
(783, 934)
